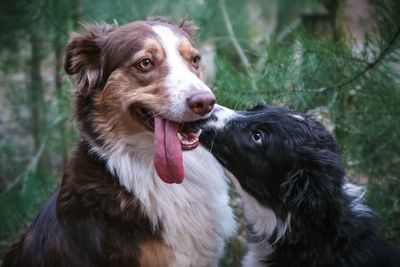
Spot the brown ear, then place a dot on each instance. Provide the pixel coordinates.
(83, 54)
(188, 26)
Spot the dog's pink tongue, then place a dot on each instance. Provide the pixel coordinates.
(167, 151)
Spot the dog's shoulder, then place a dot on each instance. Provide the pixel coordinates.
(89, 221)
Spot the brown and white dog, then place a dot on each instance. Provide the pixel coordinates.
(136, 84)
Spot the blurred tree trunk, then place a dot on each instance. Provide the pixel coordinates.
(62, 9)
(76, 14)
(335, 12)
(36, 96)
(36, 90)
(58, 68)
(345, 100)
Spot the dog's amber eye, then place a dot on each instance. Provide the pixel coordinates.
(196, 61)
(145, 64)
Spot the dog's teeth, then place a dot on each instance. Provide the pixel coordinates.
(180, 137)
(189, 142)
(198, 133)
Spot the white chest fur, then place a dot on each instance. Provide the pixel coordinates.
(195, 215)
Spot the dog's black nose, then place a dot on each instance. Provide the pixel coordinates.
(201, 103)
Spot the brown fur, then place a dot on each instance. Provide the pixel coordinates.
(90, 220)
(155, 253)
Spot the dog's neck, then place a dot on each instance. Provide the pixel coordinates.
(272, 238)
(192, 214)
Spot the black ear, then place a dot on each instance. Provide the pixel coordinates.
(83, 56)
(294, 187)
(188, 26)
(315, 180)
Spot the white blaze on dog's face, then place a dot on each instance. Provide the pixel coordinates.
(183, 78)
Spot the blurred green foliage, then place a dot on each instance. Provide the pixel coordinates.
(294, 53)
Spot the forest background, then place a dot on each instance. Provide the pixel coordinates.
(337, 60)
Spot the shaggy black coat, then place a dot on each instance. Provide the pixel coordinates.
(290, 163)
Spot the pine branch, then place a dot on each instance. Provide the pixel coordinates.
(35, 160)
(370, 65)
(56, 25)
(31, 167)
(238, 48)
(232, 36)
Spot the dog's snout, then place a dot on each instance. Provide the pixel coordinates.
(201, 103)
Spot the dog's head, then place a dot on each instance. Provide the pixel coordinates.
(281, 158)
(140, 77)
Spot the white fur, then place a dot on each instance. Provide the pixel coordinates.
(256, 252)
(357, 192)
(180, 81)
(263, 219)
(195, 215)
(223, 115)
(301, 118)
(264, 223)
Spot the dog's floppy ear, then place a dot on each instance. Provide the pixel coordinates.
(188, 26)
(315, 180)
(83, 56)
(295, 186)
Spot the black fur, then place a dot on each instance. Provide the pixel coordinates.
(294, 169)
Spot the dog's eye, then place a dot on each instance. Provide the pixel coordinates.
(145, 64)
(257, 136)
(196, 61)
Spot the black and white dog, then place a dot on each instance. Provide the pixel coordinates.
(300, 208)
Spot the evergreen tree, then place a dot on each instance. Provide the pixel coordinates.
(280, 52)
(354, 90)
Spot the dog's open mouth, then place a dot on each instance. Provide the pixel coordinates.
(170, 139)
(188, 136)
